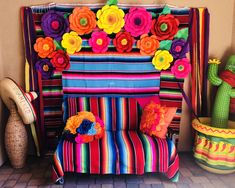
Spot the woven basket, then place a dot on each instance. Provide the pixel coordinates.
(214, 148)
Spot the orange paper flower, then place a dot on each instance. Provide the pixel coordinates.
(44, 46)
(74, 121)
(82, 20)
(148, 44)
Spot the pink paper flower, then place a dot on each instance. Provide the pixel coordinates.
(99, 41)
(181, 68)
(138, 21)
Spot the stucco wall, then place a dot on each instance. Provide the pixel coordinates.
(222, 39)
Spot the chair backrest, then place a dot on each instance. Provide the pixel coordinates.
(118, 113)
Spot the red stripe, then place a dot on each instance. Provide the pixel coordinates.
(94, 157)
(52, 82)
(183, 19)
(94, 106)
(171, 85)
(133, 114)
(114, 114)
(139, 152)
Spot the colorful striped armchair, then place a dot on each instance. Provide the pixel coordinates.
(122, 150)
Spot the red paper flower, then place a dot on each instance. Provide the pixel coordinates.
(123, 42)
(165, 27)
(60, 60)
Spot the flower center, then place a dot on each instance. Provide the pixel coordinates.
(148, 43)
(99, 42)
(111, 19)
(45, 68)
(137, 21)
(161, 59)
(55, 24)
(163, 27)
(124, 42)
(178, 48)
(60, 60)
(71, 41)
(45, 47)
(83, 21)
(180, 67)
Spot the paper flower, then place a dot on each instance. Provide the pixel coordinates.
(165, 27)
(148, 44)
(99, 41)
(44, 46)
(83, 139)
(123, 42)
(84, 127)
(179, 48)
(138, 21)
(82, 20)
(54, 24)
(45, 67)
(60, 60)
(162, 60)
(71, 42)
(74, 122)
(181, 68)
(110, 19)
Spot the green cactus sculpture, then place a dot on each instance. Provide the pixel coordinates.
(226, 90)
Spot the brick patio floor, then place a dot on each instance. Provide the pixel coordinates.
(37, 174)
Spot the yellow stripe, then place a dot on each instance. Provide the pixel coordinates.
(27, 85)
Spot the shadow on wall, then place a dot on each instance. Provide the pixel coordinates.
(3, 118)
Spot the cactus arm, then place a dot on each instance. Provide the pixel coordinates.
(232, 93)
(213, 75)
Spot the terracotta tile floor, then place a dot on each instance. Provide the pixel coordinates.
(37, 174)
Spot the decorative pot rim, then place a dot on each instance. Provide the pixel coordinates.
(202, 125)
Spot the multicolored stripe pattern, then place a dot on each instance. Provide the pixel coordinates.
(118, 113)
(171, 95)
(215, 152)
(199, 48)
(120, 152)
(51, 95)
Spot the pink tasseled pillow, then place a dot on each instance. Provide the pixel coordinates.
(155, 119)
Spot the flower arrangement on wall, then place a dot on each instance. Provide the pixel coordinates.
(156, 35)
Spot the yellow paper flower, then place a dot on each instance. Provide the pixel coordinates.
(110, 19)
(214, 61)
(162, 60)
(71, 42)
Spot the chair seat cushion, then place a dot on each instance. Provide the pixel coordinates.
(117, 152)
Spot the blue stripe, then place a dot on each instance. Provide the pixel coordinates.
(110, 58)
(112, 67)
(109, 83)
(122, 152)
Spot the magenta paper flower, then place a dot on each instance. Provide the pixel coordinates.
(99, 41)
(181, 68)
(138, 21)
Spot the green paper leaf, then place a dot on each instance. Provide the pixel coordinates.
(166, 10)
(182, 34)
(154, 15)
(66, 15)
(112, 2)
(58, 45)
(165, 45)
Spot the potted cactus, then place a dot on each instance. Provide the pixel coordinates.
(214, 148)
